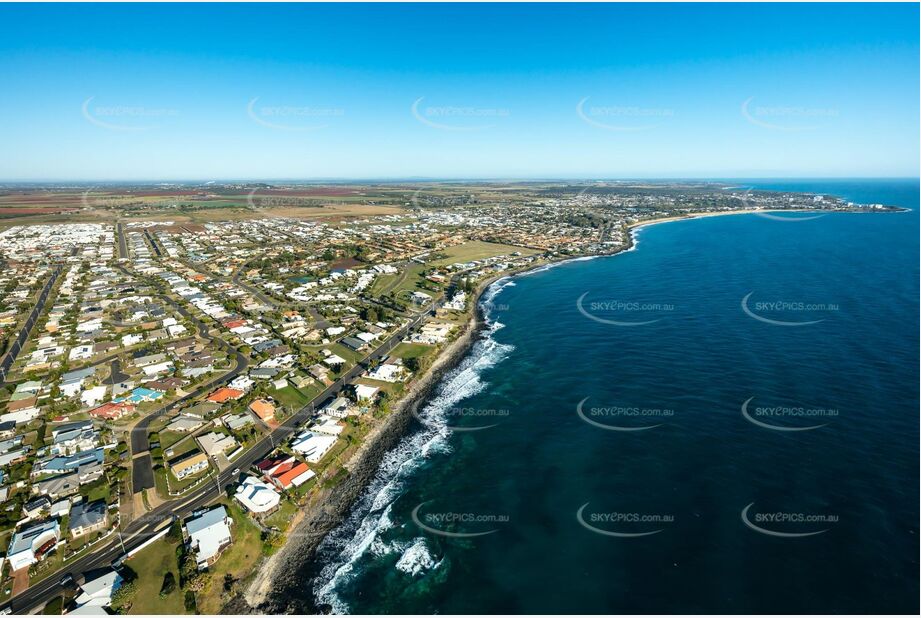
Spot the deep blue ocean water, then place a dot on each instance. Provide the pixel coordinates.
(808, 504)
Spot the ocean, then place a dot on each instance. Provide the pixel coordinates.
(722, 420)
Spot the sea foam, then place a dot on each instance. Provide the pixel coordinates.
(360, 534)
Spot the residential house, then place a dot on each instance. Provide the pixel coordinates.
(215, 443)
(189, 465)
(58, 487)
(363, 392)
(209, 534)
(86, 518)
(112, 411)
(225, 394)
(257, 496)
(263, 409)
(32, 544)
(96, 594)
(313, 446)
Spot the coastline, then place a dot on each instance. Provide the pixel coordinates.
(265, 593)
(330, 507)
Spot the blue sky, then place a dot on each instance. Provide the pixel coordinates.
(148, 92)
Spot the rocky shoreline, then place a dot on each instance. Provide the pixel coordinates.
(267, 591)
(329, 507)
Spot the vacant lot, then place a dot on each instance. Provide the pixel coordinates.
(151, 564)
(477, 250)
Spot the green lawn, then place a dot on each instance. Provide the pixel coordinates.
(404, 280)
(412, 350)
(290, 397)
(282, 517)
(477, 250)
(98, 490)
(151, 564)
(348, 354)
(169, 438)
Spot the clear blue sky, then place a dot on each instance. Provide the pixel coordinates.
(132, 92)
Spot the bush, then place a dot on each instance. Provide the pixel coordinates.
(189, 602)
(121, 598)
(174, 534)
(169, 584)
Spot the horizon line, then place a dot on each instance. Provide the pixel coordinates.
(445, 179)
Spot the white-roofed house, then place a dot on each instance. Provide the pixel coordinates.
(257, 496)
(209, 535)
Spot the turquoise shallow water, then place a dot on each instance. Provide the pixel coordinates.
(705, 510)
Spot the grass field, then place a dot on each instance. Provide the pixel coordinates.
(412, 350)
(404, 280)
(477, 250)
(282, 517)
(151, 564)
(290, 397)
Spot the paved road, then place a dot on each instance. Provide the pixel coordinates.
(122, 245)
(142, 471)
(145, 526)
(116, 375)
(142, 474)
(153, 243)
(23, 335)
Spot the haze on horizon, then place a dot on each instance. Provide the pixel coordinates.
(153, 92)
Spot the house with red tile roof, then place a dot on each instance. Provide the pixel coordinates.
(225, 394)
(263, 409)
(112, 411)
(295, 477)
(285, 472)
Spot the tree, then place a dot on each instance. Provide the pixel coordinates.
(174, 534)
(169, 584)
(189, 602)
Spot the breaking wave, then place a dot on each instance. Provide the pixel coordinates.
(417, 558)
(361, 533)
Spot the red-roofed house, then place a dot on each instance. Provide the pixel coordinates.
(294, 477)
(263, 409)
(112, 411)
(285, 472)
(225, 394)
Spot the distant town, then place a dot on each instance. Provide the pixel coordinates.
(186, 368)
